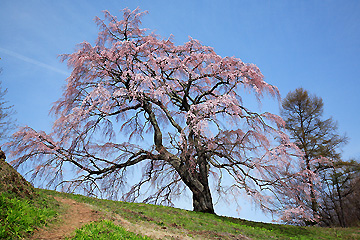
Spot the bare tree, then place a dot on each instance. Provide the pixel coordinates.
(7, 123)
(340, 196)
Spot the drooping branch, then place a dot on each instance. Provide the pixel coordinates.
(134, 99)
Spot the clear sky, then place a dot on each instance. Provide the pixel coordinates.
(309, 44)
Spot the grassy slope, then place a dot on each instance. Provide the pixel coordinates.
(203, 226)
(22, 208)
(19, 217)
(105, 230)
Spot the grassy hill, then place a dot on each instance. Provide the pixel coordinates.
(24, 209)
(182, 224)
(12, 182)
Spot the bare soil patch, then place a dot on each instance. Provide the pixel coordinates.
(77, 214)
(150, 229)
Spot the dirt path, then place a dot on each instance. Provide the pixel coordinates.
(76, 215)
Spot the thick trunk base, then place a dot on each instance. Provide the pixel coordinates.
(202, 202)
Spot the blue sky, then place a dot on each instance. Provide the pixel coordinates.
(309, 44)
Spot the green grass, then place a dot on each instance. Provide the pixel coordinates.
(20, 216)
(209, 226)
(105, 230)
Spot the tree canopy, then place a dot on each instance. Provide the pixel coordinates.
(317, 137)
(135, 99)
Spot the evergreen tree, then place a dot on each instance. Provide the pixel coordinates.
(315, 136)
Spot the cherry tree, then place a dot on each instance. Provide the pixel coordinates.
(175, 111)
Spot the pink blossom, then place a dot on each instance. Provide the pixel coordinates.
(131, 88)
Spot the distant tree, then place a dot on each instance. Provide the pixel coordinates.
(133, 88)
(315, 136)
(352, 203)
(7, 123)
(340, 205)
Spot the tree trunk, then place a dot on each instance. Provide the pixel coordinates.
(340, 212)
(197, 180)
(202, 201)
(314, 204)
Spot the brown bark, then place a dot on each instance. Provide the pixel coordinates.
(197, 181)
(202, 201)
